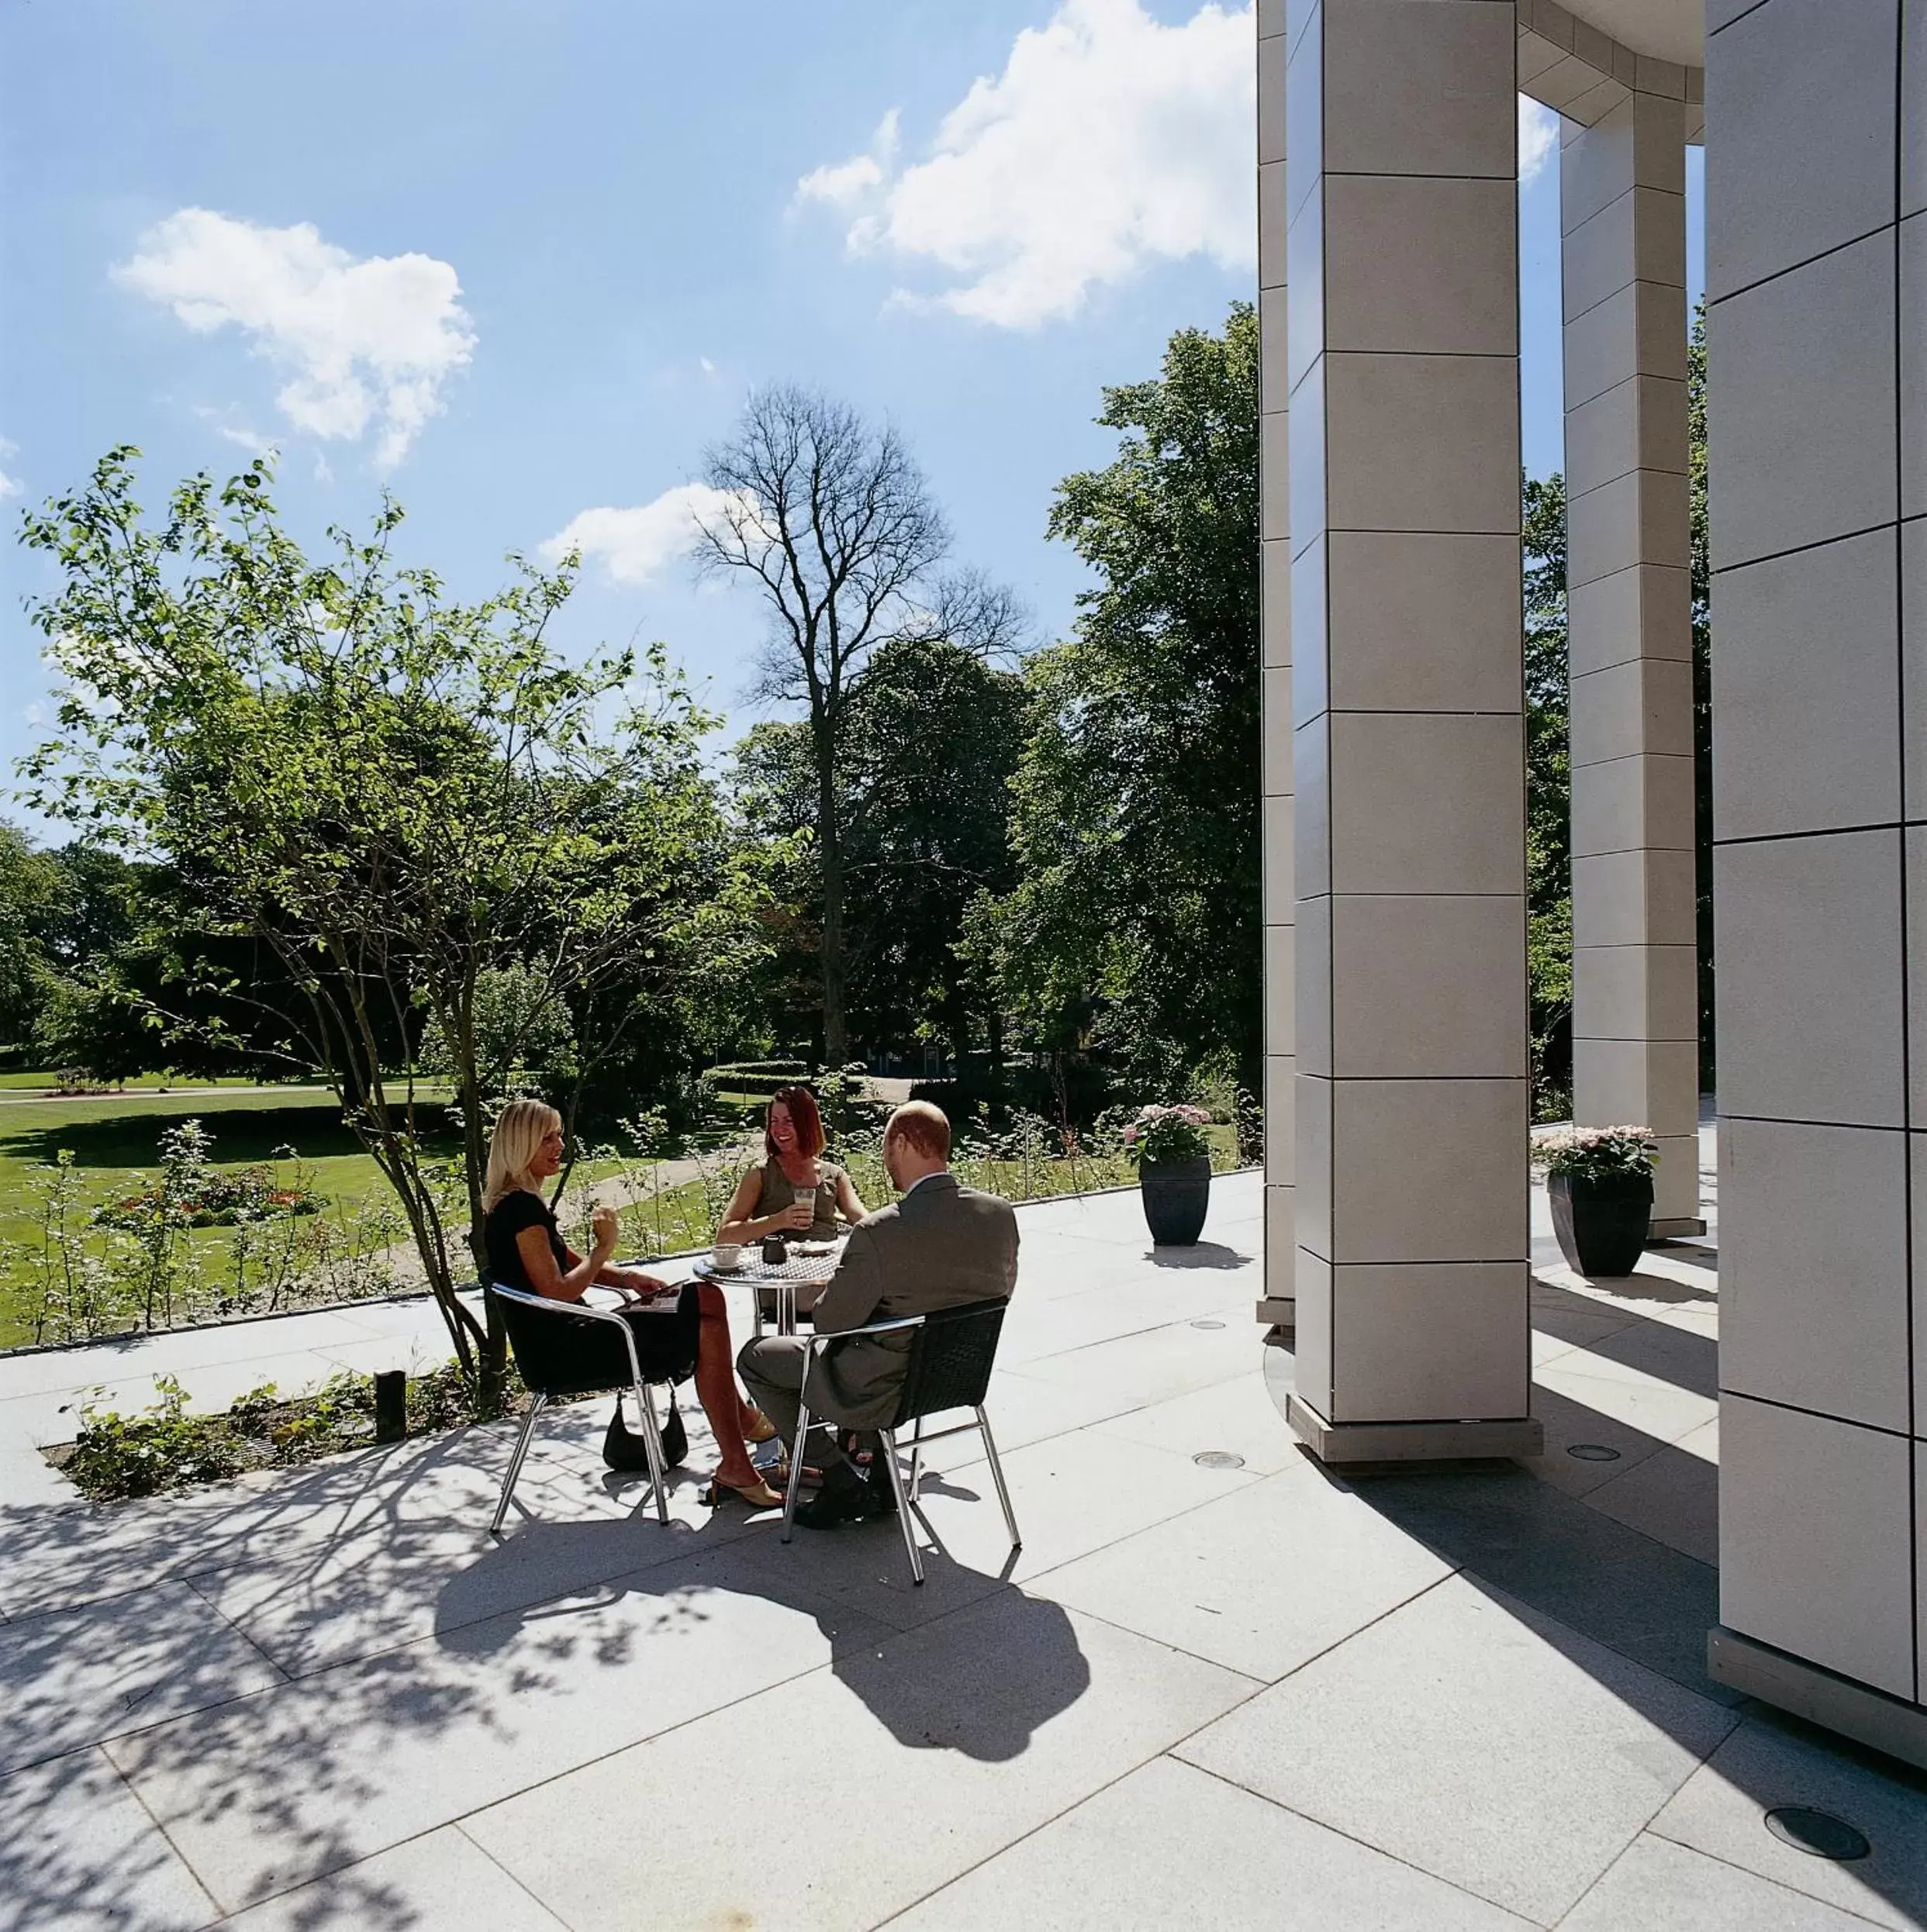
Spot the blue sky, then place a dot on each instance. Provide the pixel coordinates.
(519, 260)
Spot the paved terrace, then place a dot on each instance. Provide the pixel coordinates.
(1234, 1696)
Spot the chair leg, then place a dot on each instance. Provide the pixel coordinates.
(516, 1461)
(916, 1458)
(795, 1468)
(996, 1472)
(903, 1521)
(652, 1446)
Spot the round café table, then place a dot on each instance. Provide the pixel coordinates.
(775, 1281)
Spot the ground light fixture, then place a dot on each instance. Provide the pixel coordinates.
(1592, 1452)
(1818, 1833)
(1218, 1459)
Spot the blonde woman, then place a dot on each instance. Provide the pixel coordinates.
(526, 1251)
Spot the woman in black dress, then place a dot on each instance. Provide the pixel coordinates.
(526, 1251)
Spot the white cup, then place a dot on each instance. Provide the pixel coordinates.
(726, 1254)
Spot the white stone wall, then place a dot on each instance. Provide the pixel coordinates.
(1816, 275)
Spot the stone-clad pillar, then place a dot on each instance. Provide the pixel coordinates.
(1274, 519)
(1635, 992)
(1401, 205)
(1816, 249)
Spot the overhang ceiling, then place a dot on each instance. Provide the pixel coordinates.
(1668, 29)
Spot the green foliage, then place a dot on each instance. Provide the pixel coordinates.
(390, 794)
(1598, 1154)
(524, 1038)
(1548, 799)
(1135, 926)
(115, 1457)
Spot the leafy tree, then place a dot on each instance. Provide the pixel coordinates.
(522, 1032)
(1702, 580)
(930, 741)
(29, 880)
(390, 792)
(1548, 799)
(1135, 923)
(831, 516)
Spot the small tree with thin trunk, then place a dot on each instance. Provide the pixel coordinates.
(830, 515)
(397, 797)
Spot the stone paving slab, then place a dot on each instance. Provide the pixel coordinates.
(1170, 1846)
(444, 1879)
(79, 1854)
(1261, 1581)
(1661, 1887)
(1539, 1755)
(908, 1766)
(1771, 1760)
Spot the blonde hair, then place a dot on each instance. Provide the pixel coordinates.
(520, 1129)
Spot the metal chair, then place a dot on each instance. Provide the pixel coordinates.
(951, 1353)
(564, 1349)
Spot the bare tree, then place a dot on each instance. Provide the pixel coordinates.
(830, 514)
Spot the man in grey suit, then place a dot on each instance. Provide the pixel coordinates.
(942, 1245)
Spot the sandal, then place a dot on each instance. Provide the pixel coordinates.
(761, 1430)
(758, 1495)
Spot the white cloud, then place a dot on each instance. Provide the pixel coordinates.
(9, 485)
(1109, 142)
(368, 342)
(847, 184)
(633, 544)
(1539, 137)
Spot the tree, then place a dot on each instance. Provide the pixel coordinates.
(832, 518)
(1548, 841)
(1135, 923)
(30, 883)
(391, 793)
(930, 741)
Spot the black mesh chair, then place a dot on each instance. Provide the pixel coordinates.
(565, 1349)
(952, 1353)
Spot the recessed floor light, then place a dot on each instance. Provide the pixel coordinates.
(1592, 1452)
(1818, 1833)
(1207, 1324)
(1217, 1459)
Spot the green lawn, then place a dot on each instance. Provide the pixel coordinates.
(114, 1143)
(46, 1082)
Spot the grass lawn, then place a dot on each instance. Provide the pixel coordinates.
(115, 1144)
(46, 1082)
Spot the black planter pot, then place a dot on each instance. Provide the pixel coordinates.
(1602, 1226)
(1177, 1195)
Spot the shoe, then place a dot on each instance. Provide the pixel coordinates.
(758, 1495)
(761, 1430)
(845, 1502)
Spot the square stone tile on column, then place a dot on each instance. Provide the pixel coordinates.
(1638, 994)
(1640, 803)
(1646, 610)
(1813, 1268)
(1815, 634)
(1805, 1501)
(1778, 88)
(1802, 377)
(1633, 897)
(1812, 977)
(1428, 1342)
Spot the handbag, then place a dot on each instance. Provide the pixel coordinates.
(623, 1449)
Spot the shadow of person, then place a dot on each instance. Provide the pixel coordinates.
(981, 1682)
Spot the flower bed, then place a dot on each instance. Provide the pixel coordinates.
(220, 1200)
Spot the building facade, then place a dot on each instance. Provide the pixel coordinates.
(1397, 1237)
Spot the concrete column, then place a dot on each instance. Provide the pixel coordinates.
(1277, 1303)
(1635, 993)
(1817, 274)
(1401, 210)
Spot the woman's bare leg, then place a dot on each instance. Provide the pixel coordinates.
(716, 1389)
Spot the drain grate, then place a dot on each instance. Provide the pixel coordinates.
(1592, 1452)
(1217, 1459)
(1818, 1833)
(1207, 1324)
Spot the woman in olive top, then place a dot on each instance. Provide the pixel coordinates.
(792, 1191)
(526, 1251)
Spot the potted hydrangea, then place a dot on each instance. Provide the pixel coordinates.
(1174, 1171)
(1600, 1180)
